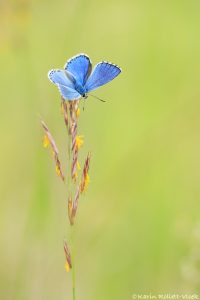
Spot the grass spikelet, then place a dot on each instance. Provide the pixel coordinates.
(68, 263)
(49, 140)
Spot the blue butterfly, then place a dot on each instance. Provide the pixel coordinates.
(77, 79)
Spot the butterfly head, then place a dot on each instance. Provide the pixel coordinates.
(85, 96)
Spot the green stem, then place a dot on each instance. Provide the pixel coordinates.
(73, 264)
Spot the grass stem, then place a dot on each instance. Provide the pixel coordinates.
(73, 263)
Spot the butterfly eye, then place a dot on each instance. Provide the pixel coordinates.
(85, 96)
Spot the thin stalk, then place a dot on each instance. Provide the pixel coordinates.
(73, 265)
(69, 161)
(70, 183)
(72, 234)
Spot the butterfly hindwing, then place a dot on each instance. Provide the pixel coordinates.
(80, 67)
(68, 93)
(103, 73)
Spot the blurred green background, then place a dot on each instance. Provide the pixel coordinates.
(138, 226)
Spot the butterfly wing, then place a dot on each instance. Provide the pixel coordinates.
(80, 67)
(64, 83)
(102, 74)
(68, 93)
(60, 77)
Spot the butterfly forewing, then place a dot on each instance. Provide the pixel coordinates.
(59, 77)
(102, 74)
(80, 67)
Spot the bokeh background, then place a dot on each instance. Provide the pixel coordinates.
(138, 226)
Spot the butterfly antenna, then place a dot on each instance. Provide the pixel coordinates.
(97, 98)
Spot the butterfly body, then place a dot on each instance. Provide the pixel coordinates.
(77, 79)
(80, 88)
